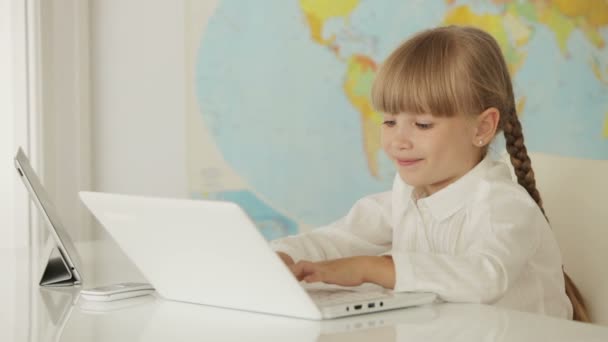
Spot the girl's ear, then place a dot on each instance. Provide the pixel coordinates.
(487, 124)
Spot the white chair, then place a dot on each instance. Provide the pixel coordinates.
(575, 198)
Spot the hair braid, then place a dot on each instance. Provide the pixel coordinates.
(519, 157)
(525, 177)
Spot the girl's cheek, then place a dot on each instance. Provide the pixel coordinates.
(385, 141)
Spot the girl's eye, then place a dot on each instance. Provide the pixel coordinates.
(389, 123)
(424, 125)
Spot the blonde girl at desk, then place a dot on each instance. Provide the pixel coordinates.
(455, 223)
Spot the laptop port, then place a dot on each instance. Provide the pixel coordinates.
(358, 307)
(371, 305)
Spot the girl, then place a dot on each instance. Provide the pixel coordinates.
(454, 223)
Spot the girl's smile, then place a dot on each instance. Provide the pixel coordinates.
(408, 162)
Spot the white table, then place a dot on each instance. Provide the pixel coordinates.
(30, 313)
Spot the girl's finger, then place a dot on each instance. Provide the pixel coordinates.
(312, 278)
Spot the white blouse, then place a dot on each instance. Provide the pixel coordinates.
(481, 239)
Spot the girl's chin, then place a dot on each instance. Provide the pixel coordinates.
(409, 180)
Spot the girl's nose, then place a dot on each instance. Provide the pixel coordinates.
(402, 139)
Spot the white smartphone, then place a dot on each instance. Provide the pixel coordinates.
(104, 307)
(116, 291)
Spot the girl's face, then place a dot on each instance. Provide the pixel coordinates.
(430, 152)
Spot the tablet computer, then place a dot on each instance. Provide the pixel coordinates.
(64, 264)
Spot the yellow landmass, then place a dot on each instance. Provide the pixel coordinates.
(557, 22)
(562, 17)
(317, 12)
(600, 74)
(593, 12)
(520, 32)
(593, 35)
(589, 16)
(357, 86)
(520, 105)
(495, 25)
(606, 126)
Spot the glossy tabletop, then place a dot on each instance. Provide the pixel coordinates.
(31, 313)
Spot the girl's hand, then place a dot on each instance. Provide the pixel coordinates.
(286, 258)
(345, 272)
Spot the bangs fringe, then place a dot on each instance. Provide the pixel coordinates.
(423, 77)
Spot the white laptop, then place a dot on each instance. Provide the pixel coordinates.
(210, 252)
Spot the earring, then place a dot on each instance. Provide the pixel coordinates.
(480, 142)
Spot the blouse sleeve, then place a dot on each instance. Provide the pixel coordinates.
(365, 230)
(508, 239)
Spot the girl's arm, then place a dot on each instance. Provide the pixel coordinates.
(366, 230)
(490, 266)
(482, 274)
(350, 271)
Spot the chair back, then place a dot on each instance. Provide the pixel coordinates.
(575, 198)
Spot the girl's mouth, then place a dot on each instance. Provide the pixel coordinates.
(407, 162)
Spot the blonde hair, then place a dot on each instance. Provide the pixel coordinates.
(456, 70)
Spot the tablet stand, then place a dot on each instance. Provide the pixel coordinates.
(57, 272)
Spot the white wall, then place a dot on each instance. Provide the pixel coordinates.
(138, 129)
(6, 129)
(14, 222)
(137, 110)
(64, 108)
(45, 110)
(15, 123)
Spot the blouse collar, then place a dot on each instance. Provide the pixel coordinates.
(447, 201)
